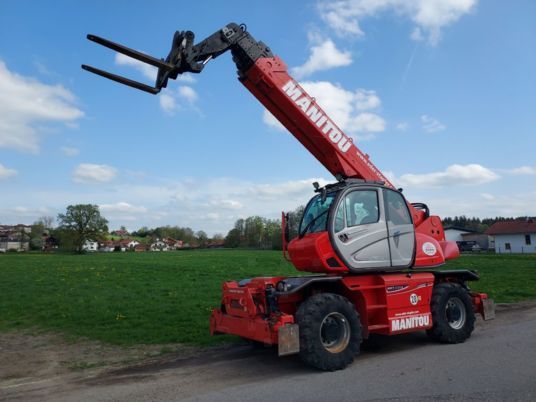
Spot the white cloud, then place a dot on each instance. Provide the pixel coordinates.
(186, 78)
(366, 99)
(429, 16)
(285, 189)
(26, 102)
(402, 126)
(188, 93)
(213, 216)
(122, 207)
(6, 173)
(269, 119)
(21, 214)
(344, 107)
(484, 205)
(416, 34)
(523, 170)
(324, 56)
(487, 196)
(70, 151)
(368, 123)
(471, 174)
(92, 173)
(171, 101)
(431, 125)
(517, 204)
(147, 70)
(167, 103)
(226, 204)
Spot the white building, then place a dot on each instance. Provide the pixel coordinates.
(517, 236)
(90, 245)
(159, 245)
(15, 237)
(132, 244)
(455, 233)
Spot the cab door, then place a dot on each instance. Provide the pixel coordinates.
(400, 228)
(359, 230)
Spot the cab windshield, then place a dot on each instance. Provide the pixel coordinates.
(315, 216)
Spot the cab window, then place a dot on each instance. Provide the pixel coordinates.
(397, 209)
(361, 207)
(315, 217)
(339, 218)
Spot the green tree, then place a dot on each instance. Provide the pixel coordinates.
(233, 238)
(294, 221)
(202, 238)
(217, 237)
(272, 235)
(83, 222)
(254, 228)
(46, 221)
(36, 235)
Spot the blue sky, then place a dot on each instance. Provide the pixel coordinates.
(441, 94)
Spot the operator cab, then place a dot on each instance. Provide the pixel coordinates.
(364, 225)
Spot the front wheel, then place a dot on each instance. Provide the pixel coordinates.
(453, 317)
(330, 331)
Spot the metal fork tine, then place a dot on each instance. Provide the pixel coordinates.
(122, 80)
(131, 53)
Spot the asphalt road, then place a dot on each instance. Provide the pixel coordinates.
(497, 363)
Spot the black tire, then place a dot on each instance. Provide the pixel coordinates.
(330, 331)
(452, 314)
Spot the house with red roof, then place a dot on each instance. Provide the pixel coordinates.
(517, 236)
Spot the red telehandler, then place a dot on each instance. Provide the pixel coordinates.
(373, 254)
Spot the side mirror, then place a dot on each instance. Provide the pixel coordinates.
(323, 195)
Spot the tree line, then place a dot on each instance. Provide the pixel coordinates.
(262, 233)
(84, 222)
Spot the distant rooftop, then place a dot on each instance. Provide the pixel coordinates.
(524, 226)
(460, 228)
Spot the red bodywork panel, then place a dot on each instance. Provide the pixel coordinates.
(387, 304)
(313, 253)
(246, 312)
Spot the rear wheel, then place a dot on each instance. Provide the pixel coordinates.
(452, 314)
(330, 331)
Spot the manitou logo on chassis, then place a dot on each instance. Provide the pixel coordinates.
(316, 116)
(417, 321)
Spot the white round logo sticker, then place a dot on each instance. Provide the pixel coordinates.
(413, 299)
(429, 248)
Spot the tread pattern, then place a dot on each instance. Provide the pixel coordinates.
(309, 317)
(442, 331)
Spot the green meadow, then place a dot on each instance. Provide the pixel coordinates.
(157, 298)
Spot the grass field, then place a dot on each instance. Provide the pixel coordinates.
(154, 298)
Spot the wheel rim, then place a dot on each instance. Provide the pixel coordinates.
(455, 312)
(335, 332)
